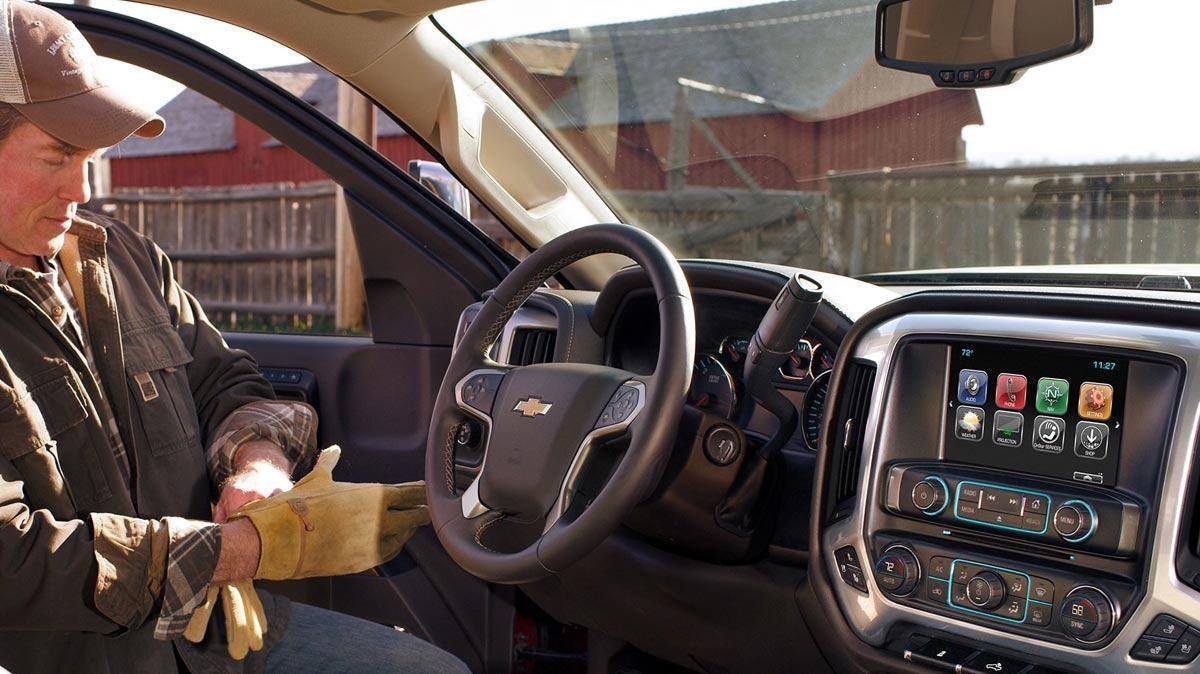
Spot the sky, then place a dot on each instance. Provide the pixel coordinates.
(1131, 95)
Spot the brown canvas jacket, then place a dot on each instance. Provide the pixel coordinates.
(83, 557)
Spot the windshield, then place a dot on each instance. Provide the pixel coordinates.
(741, 130)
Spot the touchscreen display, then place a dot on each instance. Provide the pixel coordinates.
(1051, 412)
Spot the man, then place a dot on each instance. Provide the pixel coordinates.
(124, 416)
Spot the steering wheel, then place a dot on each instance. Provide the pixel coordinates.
(544, 421)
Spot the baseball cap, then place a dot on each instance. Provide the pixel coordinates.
(48, 73)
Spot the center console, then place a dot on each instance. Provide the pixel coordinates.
(1020, 487)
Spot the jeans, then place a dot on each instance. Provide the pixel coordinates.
(318, 640)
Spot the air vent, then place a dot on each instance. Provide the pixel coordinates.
(531, 345)
(855, 402)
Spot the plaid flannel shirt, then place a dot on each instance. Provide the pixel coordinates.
(194, 546)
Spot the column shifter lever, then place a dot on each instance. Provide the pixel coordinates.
(786, 321)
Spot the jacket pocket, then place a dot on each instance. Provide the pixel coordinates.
(58, 393)
(22, 427)
(155, 359)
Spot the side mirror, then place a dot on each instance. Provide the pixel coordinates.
(978, 43)
(435, 178)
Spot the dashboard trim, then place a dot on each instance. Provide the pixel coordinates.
(873, 616)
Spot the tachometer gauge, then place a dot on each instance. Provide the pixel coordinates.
(822, 360)
(799, 363)
(712, 387)
(814, 409)
(733, 351)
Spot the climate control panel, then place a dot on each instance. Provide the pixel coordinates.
(1067, 516)
(1044, 603)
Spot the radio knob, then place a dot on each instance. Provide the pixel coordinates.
(986, 590)
(898, 570)
(929, 495)
(1075, 521)
(1087, 614)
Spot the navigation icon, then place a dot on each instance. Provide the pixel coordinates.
(1091, 440)
(1049, 434)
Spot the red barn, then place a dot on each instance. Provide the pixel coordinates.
(781, 93)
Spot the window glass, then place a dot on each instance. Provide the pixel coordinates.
(765, 131)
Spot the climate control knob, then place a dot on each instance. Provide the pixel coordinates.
(986, 590)
(1075, 521)
(898, 570)
(929, 495)
(1087, 614)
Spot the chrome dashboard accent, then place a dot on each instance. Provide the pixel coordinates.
(871, 617)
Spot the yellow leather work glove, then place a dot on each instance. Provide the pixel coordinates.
(245, 619)
(327, 528)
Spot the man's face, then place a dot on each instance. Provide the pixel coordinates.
(42, 180)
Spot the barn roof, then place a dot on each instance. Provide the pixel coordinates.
(196, 124)
(809, 58)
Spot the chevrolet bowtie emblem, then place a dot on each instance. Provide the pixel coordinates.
(532, 407)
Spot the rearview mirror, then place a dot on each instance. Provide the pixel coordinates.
(978, 43)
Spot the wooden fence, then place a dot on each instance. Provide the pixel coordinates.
(260, 256)
(264, 256)
(886, 221)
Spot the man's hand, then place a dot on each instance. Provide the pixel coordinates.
(260, 470)
(327, 528)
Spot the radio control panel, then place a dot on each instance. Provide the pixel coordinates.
(1060, 515)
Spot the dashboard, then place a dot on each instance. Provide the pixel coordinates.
(987, 479)
(725, 323)
(1019, 491)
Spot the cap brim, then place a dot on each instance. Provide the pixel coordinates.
(95, 119)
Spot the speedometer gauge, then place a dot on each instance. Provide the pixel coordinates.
(814, 409)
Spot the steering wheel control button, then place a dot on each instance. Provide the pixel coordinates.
(479, 391)
(942, 655)
(620, 407)
(898, 571)
(722, 445)
(930, 496)
(1075, 521)
(1087, 614)
(986, 590)
(969, 423)
(1091, 440)
(990, 663)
